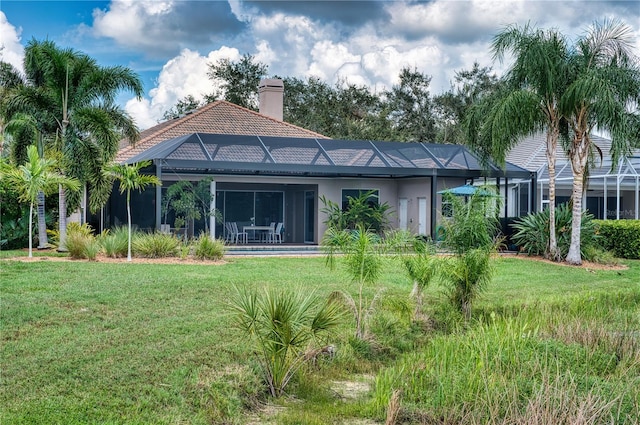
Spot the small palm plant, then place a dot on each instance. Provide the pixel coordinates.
(361, 257)
(283, 325)
(35, 176)
(131, 179)
(471, 236)
(422, 268)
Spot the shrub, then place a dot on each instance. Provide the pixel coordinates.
(114, 242)
(80, 241)
(282, 324)
(208, 249)
(532, 231)
(622, 237)
(360, 212)
(155, 245)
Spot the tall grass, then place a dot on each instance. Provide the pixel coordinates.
(115, 242)
(525, 369)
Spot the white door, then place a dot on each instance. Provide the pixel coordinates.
(402, 213)
(422, 216)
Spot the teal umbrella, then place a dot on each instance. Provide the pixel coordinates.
(467, 190)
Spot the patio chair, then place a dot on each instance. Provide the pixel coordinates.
(230, 235)
(238, 233)
(276, 235)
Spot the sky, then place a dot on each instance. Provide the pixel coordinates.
(170, 43)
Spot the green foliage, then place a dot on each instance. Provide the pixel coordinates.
(359, 251)
(622, 237)
(362, 211)
(189, 202)
(239, 80)
(282, 325)
(115, 242)
(81, 243)
(471, 235)
(474, 223)
(468, 275)
(155, 245)
(532, 231)
(208, 249)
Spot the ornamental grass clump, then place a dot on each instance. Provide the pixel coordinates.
(155, 245)
(115, 242)
(206, 248)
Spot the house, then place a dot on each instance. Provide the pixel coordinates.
(612, 192)
(265, 170)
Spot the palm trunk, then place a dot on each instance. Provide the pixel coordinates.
(129, 221)
(62, 220)
(578, 164)
(552, 143)
(31, 230)
(42, 224)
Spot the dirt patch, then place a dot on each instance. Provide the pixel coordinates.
(134, 260)
(353, 389)
(587, 265)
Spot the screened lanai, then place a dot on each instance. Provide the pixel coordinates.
(262, 179)
(612, 192)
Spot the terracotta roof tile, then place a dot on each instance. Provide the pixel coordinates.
(219, 117)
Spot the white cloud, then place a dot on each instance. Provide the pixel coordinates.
(11, 51)
(181, 76)
(130, 22)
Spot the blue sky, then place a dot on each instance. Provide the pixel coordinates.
(169, 43)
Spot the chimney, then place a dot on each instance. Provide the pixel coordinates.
(271, 93)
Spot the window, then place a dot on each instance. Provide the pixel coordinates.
(372, 200)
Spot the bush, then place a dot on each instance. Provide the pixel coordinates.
(362, 211)
(80, 241)
(208, 249)
(155, 245)
(622, 237)
(114, 242)
(532, 231)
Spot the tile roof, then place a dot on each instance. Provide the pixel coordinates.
(219, 117)
(530, 152)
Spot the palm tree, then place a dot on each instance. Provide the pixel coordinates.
(35, 176)
(604, 94)
(131, 179)
(528, 103)
(73, 100)
(360, 253)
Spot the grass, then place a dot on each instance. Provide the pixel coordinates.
(113, 343)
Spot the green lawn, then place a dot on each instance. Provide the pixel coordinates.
(126, 343)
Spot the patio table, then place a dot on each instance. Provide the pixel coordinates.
(255, 228)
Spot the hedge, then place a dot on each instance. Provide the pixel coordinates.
(622, 237)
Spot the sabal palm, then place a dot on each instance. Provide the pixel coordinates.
(604, 94)
(33, 177)
(528, 103)
(74, 99)
(131, 179)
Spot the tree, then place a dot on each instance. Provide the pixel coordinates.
(35, 176)
(451, 107)
(131, 179)
(340, 111)
(604, 93)
(73, 101)
(238, 80)
(527, 103)
(183, 106)
(410, 107)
